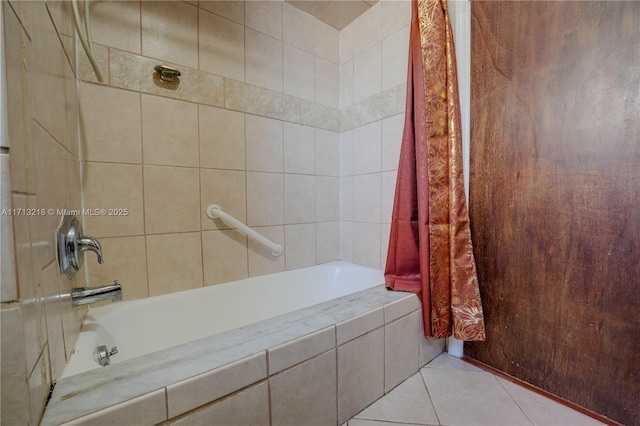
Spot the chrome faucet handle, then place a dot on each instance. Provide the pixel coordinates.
(87, 243)
(71, 245)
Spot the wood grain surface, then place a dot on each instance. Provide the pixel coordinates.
(555, 196)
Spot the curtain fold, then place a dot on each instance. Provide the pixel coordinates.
(430, 251)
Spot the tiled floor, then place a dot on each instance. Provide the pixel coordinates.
(448, 391)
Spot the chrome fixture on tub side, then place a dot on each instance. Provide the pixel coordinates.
(71, 243)
(104, 355)
(85, 295)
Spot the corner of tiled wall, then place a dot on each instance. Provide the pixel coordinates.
(373, 69)
(39, 327)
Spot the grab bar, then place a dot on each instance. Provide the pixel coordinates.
(215, 212)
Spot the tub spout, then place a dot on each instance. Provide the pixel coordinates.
(85, 295)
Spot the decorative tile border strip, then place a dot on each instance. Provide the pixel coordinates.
(130, 71)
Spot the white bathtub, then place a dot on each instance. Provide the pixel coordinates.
(144, 326)
(271, 345)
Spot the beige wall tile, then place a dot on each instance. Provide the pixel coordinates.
(221, 48)
(401, 349)
(150, 408)
(227, 189)
(263, 60)
(264, 16)
(249, 407)
(395, 57)
(367, 73)
(117, 186)
(367, 148)
(222, 144)
(401, 307)
(301, 349)
(346, 153)
(71, 317)
(366, 197)
(298, 73)
(396, 14)
(116, 24)
(387, 195)
(346, 84)
(265, 199)
(366, 244)
(299, 149)
(385, 231)
(346, 43)
(72, 109)
(327, 199)
(174, 262)
(14, 390)
(23, 11)
(327, 241)
(46, 77)
(214, 384)
(367, 29)
(53, 306)
(171, 199)
(30, 294)
(17, 95)
(300, 245)
(110, 124)
(298, 28)
(346, 241)
(392, 130)
(298, 399)
(299, 199)
(264, 144)
(125, 260)
(346, 198)
(9, 283)
(233, 10)
(39, 388)
(261, 261)
(52, 189)
(359, 325)
(327, 42)
(327, 153)
(224, 255)
(361, 379)
(327, 83)
(169, 132)
(170, 32)
(429, 348)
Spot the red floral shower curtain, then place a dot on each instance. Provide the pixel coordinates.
(430, 250)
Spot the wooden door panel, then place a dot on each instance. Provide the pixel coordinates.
(555, 196)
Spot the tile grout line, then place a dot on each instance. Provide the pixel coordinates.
(424, 383)
(513, 399)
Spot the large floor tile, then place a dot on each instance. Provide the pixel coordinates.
(471, 398)
(362, 422)
(446, 361)
(543, 411)
(407, 403)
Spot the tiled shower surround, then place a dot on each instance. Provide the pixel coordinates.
(272, 110)
(290, 125)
